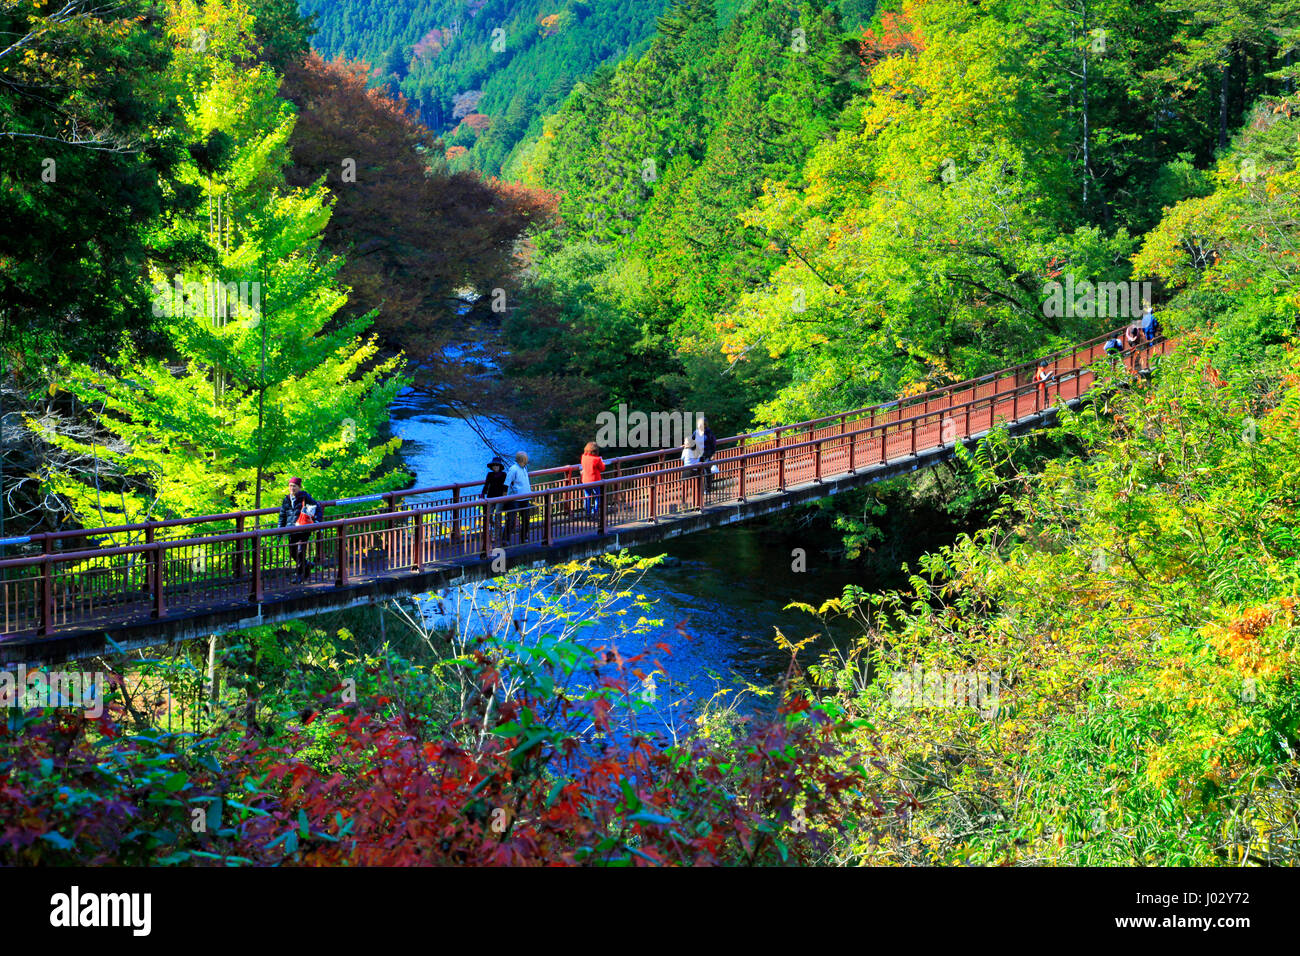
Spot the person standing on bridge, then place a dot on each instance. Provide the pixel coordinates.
(707, 445)
(593, 469)
(691, 459)
(1151, 326)
(1133, 345)
(517, 483)
(494, 486)
(1043, 378)
(299, 508)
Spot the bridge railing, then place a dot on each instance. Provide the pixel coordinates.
(153, 579)
(562, 476)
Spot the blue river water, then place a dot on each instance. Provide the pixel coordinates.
(721, 597)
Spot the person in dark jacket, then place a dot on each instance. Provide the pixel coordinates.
(1151, 327)
(494, 486)
(295, 504)
(1114, 348)
(706, 444)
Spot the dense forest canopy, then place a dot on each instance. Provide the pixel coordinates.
(786, 216)
(482, 73)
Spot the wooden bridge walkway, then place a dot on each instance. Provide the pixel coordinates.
(91, 591)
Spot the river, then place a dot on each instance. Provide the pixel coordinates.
(721, 598)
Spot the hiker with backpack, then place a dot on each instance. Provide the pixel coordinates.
(1151, 329)
(299, 509)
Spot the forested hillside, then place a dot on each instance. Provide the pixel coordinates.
(482, 73)
(654, 162)
(783, 216)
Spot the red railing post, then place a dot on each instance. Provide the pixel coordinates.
(150, 557)
(780, 470)
(744, 470)
(159, 608)
(455, 516)
(255, 595)
(914, 430)
(853, 454)
(239, 547)
(548, 519)
(487, 527)
(882, 445)
(47, 595)
(389, 537)
(817, 461)
(341, 556)
(418, 541)
(604, 508)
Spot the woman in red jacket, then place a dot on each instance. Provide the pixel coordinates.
(593, 466)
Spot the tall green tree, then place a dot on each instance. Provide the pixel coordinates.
(263, 380)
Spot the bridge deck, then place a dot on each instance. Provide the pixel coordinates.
(213, 573)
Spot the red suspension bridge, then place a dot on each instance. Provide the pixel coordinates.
(99, 590)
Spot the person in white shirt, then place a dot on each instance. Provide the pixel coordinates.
(690, 452)
(690, 457)
(517, 483)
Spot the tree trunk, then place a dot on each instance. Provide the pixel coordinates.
(1087, 150)
(1223, 106)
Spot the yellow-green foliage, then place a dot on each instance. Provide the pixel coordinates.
(1136, 604)
(1139, 615)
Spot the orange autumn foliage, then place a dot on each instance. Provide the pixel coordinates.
(896, 37)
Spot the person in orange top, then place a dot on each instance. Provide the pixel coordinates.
(1043, 378)
(593, 467)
